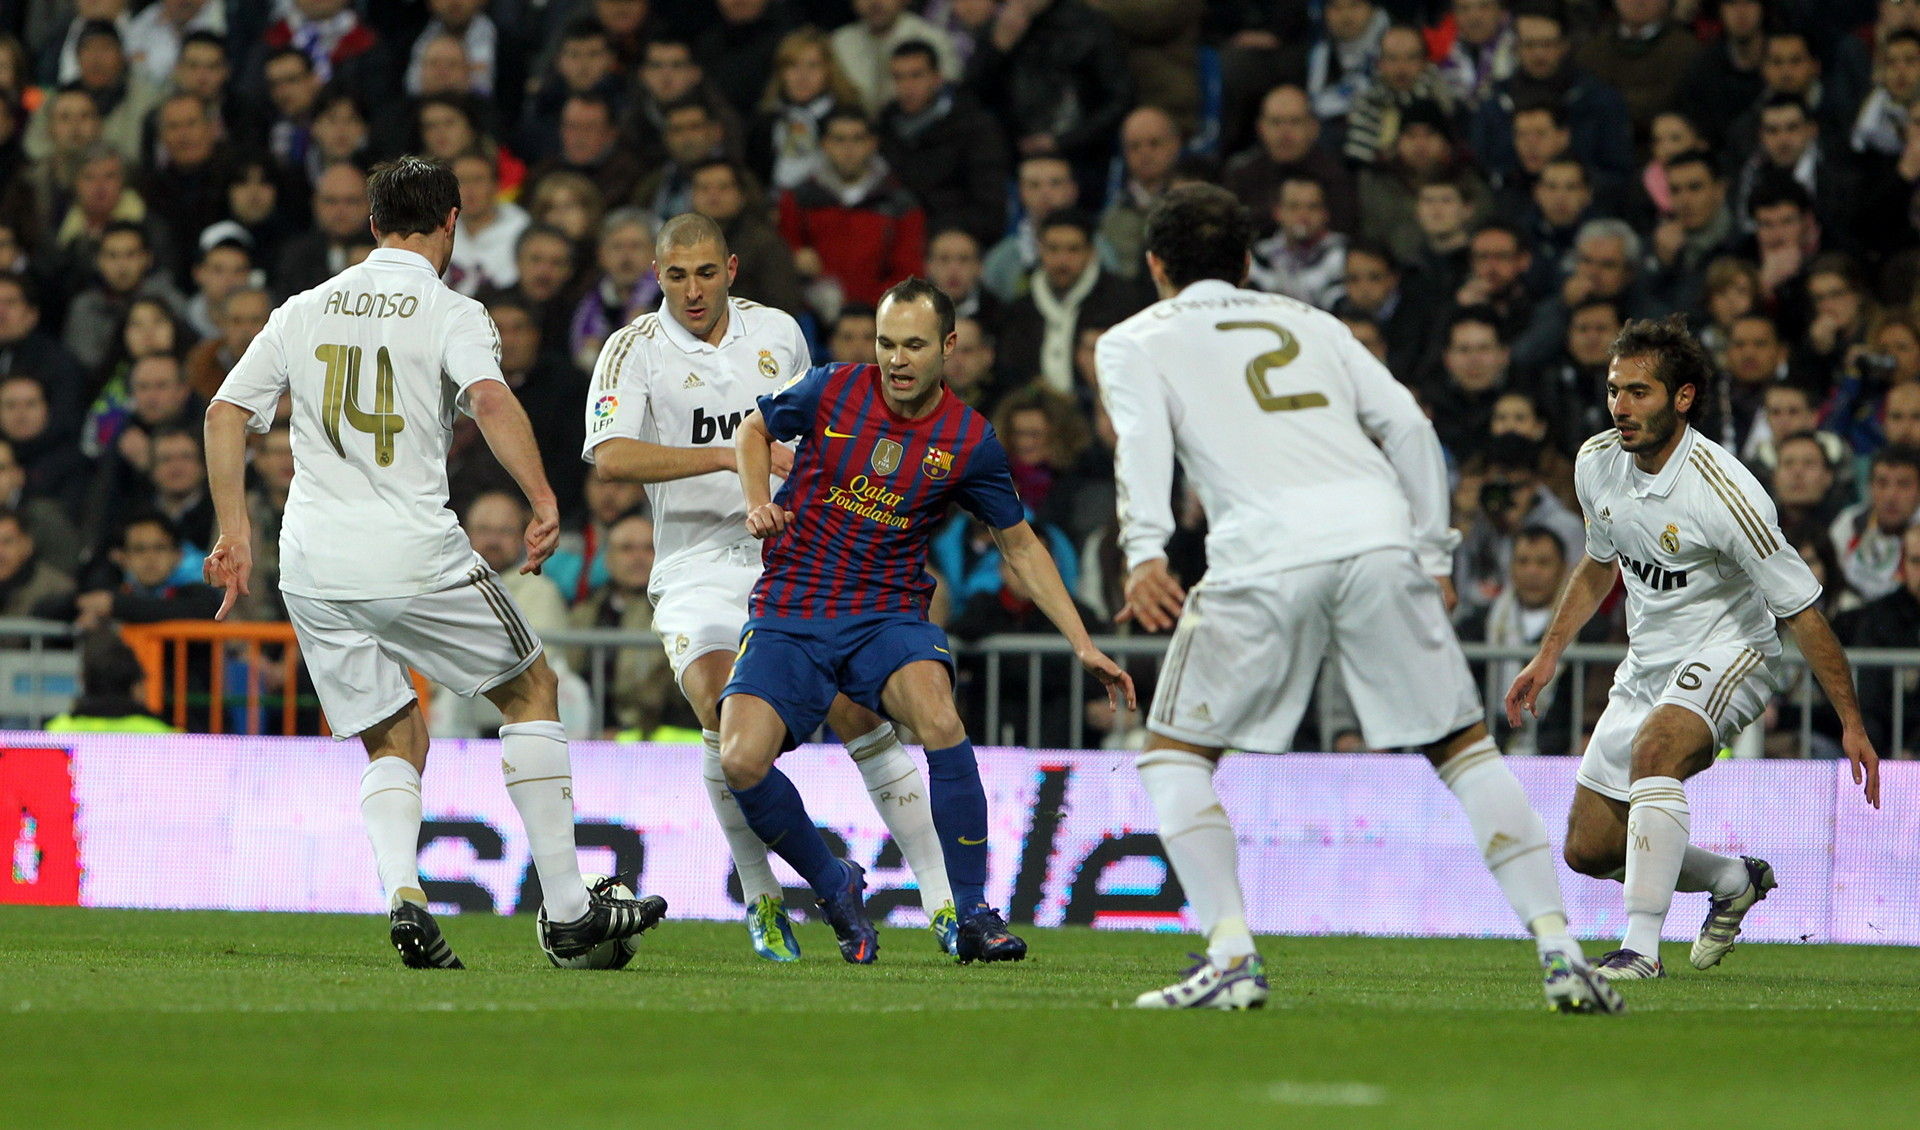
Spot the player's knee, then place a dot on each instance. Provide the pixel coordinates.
(743, 767)
(1586, 858)
(941, 728)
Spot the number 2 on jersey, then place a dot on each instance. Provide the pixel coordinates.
(342, 398)
(1263, 363)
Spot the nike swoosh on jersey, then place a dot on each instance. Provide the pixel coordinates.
(831, 434)
(972, 843)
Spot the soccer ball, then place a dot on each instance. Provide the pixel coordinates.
(607, 955)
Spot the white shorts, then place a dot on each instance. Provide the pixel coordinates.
(700, 605)
(1727, 686)
(1245, 657)
(469, 638)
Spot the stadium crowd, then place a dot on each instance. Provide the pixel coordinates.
(1482, 190)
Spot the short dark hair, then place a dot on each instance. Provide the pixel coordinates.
(335, 92)
(1374, 249)
(1546, 536)
(1694, 156)
(1679, 358)
(1551, 107)
(1593, 301)
(108, 667)
(1782, 100)
(287, 52)
(918, 47)
(913, 288)
(1511, 228)
(1512, 452)
(146, 518)
(1777, 187)
(1479, 314)
(1798, 389)
(1568, 160)
(1903, 35)
(1068, 218)
(594, 98)
(1896, 455)
(98, 29)
(211, 39)
(585, 27)
(845, 114)
(125, 227)
(411, 196)
(1200, 231)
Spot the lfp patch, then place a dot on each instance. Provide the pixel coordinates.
(603, 408)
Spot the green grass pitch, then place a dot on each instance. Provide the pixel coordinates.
(124, 1019)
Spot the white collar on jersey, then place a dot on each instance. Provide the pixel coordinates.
(1662, 484)
(678, 335)
(401, 257)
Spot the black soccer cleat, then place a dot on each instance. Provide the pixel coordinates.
(417, 936)
(846, 912)
(607, 919)
(984, 937)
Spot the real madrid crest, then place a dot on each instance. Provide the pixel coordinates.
(1670, 539)
(886, 457)
(768, 367)
(680, 644)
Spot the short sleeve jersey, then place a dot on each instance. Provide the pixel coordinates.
(657, 383)
(376, 361)
(1699, 545)
(867, 490)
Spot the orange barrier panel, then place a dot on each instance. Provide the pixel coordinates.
(155, 644)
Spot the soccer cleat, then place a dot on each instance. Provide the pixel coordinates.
(946, 928)
(607, 918)
(1722, 926)
(983, 936)
(846, 912)
(1240, 985)
(417, 936)
(771, 929)
(1574, 986)
(1626, 965)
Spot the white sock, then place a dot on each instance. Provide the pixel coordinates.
(901, 798)
(749, 851)
(1657, 828)
(1512, 840)
(1200, 846)
(390, 805)
(533, 758)
(1722, 876)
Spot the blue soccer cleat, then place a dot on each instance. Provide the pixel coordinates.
(945, 928)
(770, 930)
(846, 912)
(983, 936)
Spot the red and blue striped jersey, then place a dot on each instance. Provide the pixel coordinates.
(867, 490)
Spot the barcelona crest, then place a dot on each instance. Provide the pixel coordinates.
(938, 464)
(886, 457)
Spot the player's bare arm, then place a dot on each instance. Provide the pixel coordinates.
(1028, 556)
(1829, 664)
(1154, 597)
(642, 462)
(753, 447)
(1588, 585)
(510, 436)
(230, 564)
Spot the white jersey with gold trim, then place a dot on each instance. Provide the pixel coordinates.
(657, 383)
(1700, 548)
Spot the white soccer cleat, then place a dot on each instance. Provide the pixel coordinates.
(1627, 965)
(1240, 985)
(1573, 986)
(1722, 927)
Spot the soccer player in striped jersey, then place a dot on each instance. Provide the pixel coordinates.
(1707, 575)
(841, 605)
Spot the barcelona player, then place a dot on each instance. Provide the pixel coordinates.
(841, 605)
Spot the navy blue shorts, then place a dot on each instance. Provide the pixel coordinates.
(798, 666)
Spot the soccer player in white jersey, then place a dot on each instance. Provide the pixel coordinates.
(1326, 498)
(377, 574)
(667, 394)
(1707, 575)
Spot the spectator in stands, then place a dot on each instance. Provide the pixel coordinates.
(1892, 619)
(293, 86)
(447, 125)
(150, 328)
(339, 216)
(853, 228)
(583, 65)
(1789, 409)
(543, 260)
(1868, 534)
(26, 578)
(737, 50)
(1304, 258)
(260, 210)
(1047, 444)
(1596, 116)
(1674, 133)
(123, 267)
(1857, 408)
(580, 565)
(1607, 259)
(1422, 154)
(27, 350)
(1802, 486)
(154, 38)
(1482, 53)
(112, 695)
(1902, 417)
(496, 523)
(551, 389)
(1289, 144)
(1444, 218)
(1044, 185)
(850, 337)
(1699, 229)
(1881, 126)
(1404, 75)
(670, 75)
(570, 202)
(1517, 618)
(1473, 375)
(1519, 413)
(954, 264)
(124, 99)
(1540, 135)
(1791, 146)
(219, 269)
(970, 367)
(944, 145)
(725, 192)
(1509, 498)
(1008, 608)
(137, 584)
(1150, 145)
(1756, 360)
(154, 394)
(49, 522)
(101, 196)
(189, 174)
(341, 131)
(783, 141)
(1562, 204)
(625, 288)
(1573, 385)
(238, 320)
(1366, 331)
(1724, 78)
(73, 129)
(1643, 53)
(54, 467)
(467, 24)
(341, 47)
(692, 134)
(865, 48)
(1373, 287)
(1055, 72)
(1341, 63)
(638, 684)
(1843, 310)
(177, 480)
(1790, 65)
(1498, 262)
(272, 480)
(589, 145)
(1070, 290)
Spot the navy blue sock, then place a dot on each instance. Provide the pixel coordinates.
(960, 816)
(777, 815)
